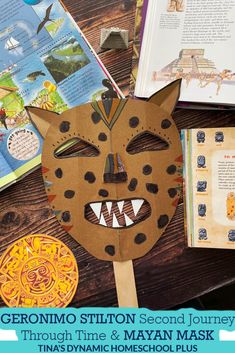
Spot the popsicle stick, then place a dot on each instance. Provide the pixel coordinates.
(125, 284)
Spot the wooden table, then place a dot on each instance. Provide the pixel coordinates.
(171, 273)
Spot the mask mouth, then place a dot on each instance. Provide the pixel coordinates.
(117, 214)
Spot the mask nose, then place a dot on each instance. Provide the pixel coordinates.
(114, 169)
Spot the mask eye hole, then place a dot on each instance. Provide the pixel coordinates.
(76, 147)
(146, 141)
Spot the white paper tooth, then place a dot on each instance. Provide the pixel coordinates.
(102, 221)
(129, 222)
(109, 206)
(115, 222)
(136, 204)
(120, 206)
(96, 208)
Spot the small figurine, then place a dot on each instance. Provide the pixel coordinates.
(219, 136)
(114, 38)
(201, 136)
(202, 234)
(201, 162)
(202, 210)
(201, 186)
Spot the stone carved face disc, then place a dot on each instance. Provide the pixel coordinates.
(117, 191)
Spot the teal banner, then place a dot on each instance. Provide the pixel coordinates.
(116, 330)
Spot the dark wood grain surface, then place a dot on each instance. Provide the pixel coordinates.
(170, 273)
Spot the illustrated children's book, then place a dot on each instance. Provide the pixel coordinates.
(191, 40)
(209, 171)
(45, 61)
(116, 191)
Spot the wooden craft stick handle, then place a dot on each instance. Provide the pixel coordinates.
(125, 284)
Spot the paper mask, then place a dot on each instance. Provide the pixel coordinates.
(117, 191)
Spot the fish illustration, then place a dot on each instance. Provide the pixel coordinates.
(33, 76)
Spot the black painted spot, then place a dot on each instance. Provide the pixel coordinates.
(66, 217)
(162, 221)
(103, 193)
(110, 249)
(165, 124)
(147, 169)
(172, 192)
(134, 122)
(95, 117)
(69, 194)
(133, 184)
(59, 173)
(171, 169)
(102, 136)
(64, 126)
(140, 238)
(153, 188)
(90, 177)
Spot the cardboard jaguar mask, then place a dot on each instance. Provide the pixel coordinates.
(112, 171)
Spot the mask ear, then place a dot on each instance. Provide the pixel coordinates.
(42, 119)
(167, 97)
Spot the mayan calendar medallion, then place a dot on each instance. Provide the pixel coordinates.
(113, 171)
(38, 271)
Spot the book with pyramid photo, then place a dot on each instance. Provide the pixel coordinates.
(181, 41)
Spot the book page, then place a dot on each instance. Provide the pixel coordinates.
(47, 63)
(210, 187)
(7, 176)
(192, 40)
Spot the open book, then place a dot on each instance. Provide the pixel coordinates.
(45, 61)
(192, 40)
(209, 175)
